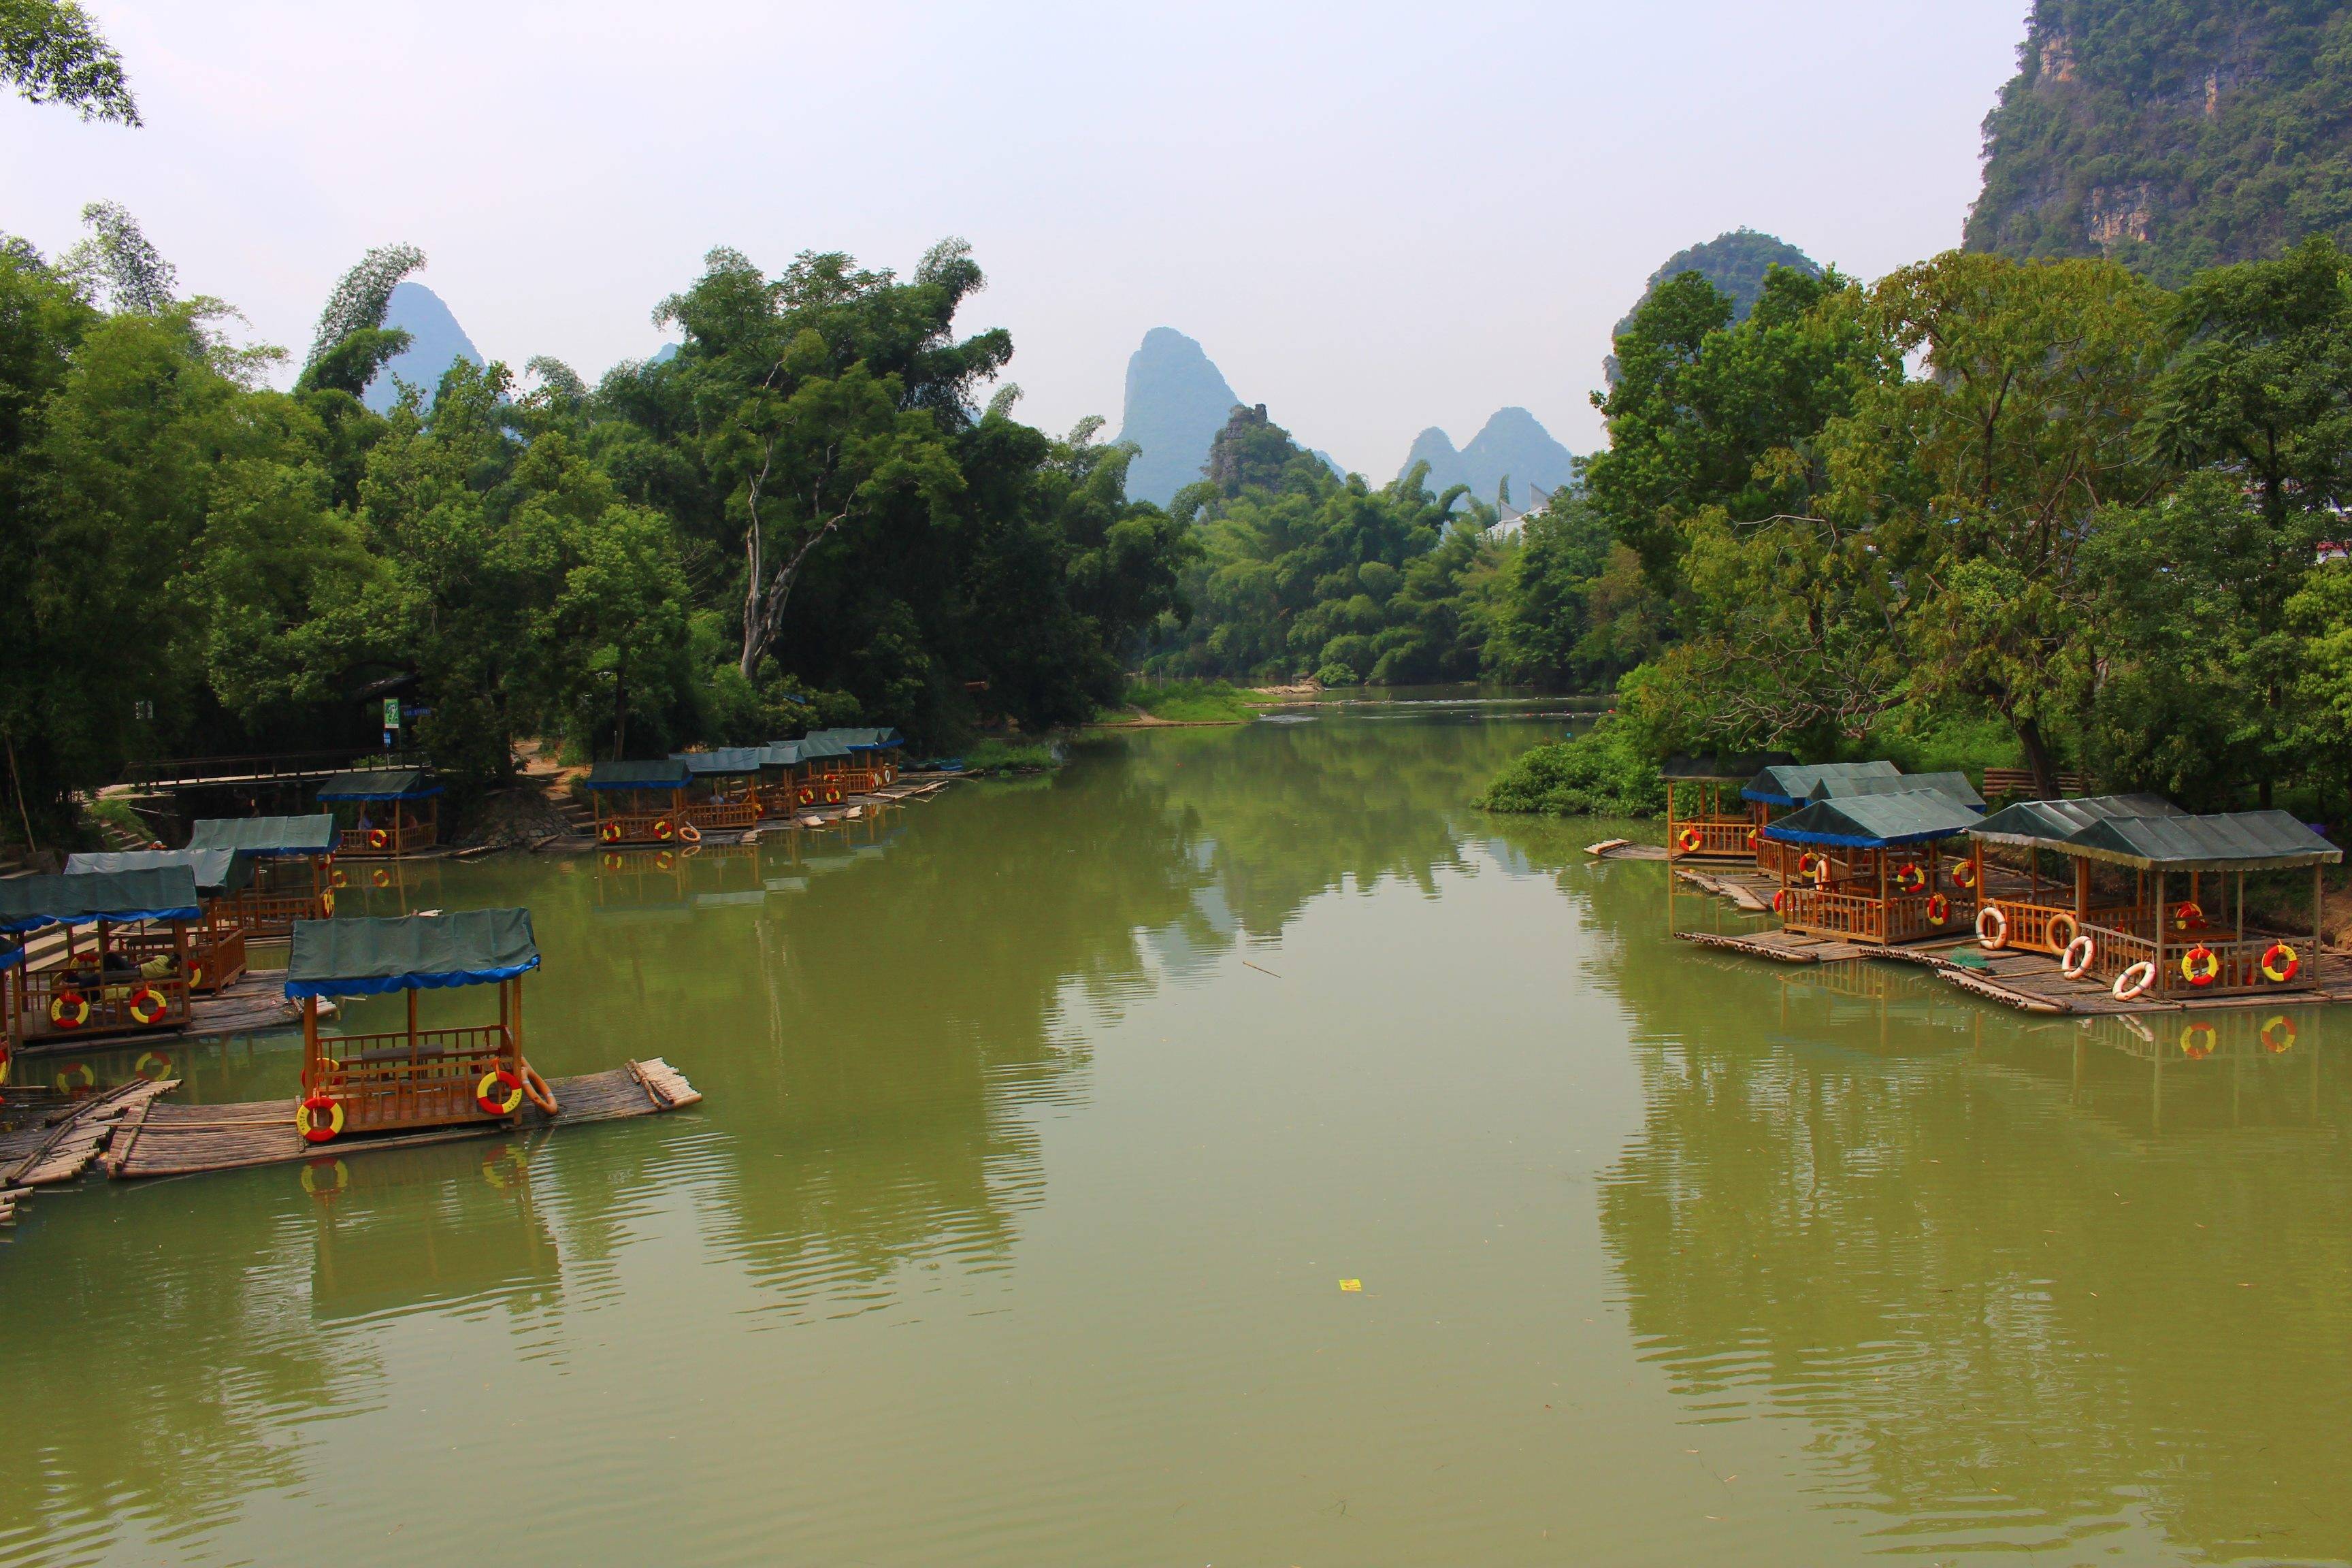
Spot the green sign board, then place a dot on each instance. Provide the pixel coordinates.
(392, 712)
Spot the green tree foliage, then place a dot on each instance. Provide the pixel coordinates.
(203, 565)
(53, 53)
(1605, 772)
(1304, 574)
(2171, 135)
(1573, 611)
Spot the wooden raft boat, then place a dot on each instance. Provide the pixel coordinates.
(157, 1139)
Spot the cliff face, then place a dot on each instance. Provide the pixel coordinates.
(2171, 134)
(1176, 402)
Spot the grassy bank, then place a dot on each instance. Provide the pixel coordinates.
(1193, 702)
(1004, 759)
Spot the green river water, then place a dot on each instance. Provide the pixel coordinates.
(1044, 1122)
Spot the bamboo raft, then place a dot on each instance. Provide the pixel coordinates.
(48, 1139)
(160, 1140)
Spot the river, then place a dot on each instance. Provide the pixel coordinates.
(1048, 1126)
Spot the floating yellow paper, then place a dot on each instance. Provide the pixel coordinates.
(1351, 1284)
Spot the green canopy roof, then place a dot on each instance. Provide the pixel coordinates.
(1955, 785)
(670, 773)
(162, 893)
(2236, 841)
(1722, 767)
(2054, 822)
(821, 745)
(216, 871)
(779, 754)
(1875, 821)
(413, 952)
(724, 761)
(1791, 785)
(866, 740)
(378, 784)
(312, 835)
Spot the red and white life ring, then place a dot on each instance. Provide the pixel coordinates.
(1993, 928)
(2135, 980)
(2077, 961)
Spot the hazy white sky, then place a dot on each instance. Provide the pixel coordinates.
(1375, 217)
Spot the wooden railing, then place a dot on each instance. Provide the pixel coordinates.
(725, 814)
(267, 915)
(387, 838)
(659, 827)
(214, 958)
(1719, 838)
(1863, 917)
(402, 1080)
(109, 999)
(2114, 950)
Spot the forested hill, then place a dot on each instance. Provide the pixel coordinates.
(2171, 134)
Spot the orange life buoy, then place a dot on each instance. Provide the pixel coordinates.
(687, 832)
(2281, 963)
(2278, 1034)
(2063, 931)
(500, 1093)
(68, 1009)
(318, 1117)
(536, 1086)
(2201, 967)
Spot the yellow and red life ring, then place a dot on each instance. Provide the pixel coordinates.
(1808, 863)
(1688, 841)
(1993, 928)
(196, 969)
(2198, 1040)
(318, 1117)
(832, 795)
(72, 1077)
(8, 1061)
(342, 878)
(379, 840)
(662, 828)
(2278, 1034)
(68, 1009)
(1909, 877)
(500, 1093)
(2188, 915)
(1755, 837)
(808, 794)
(2281, 963)
(1964, 875)
(1939, 908)
(2201, 967)
(1780, 901)
(610, 832)
(148, 1005)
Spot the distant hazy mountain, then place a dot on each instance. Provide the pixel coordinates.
(1513, 442)
(436, 341)
(1176, 403)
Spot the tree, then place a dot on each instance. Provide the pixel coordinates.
(54, 53)
(116, 267)
(351, 343)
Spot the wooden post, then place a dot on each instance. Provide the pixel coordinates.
(2160, 986)
(2318, 933)
(1886, 917)
(2081, 891)
(1669, 819)
(310, 1044)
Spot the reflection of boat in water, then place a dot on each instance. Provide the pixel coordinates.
(482, 1239)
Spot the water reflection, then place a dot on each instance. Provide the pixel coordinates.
(2029, 1282)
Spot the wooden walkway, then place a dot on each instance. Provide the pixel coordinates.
(161, 1140)
(254, 1004)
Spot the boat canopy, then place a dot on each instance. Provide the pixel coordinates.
(1793, 785)
(668, 775)
(866, 740)
(1875, 821)
(820, 745)
(267, 836)
(2232, 841)
(724, 762)
(412, 952)
(2054, 822)
(378, 784)
(217, 871)
(781, 755)
(35, 903)
(1722, 767)
(10, 957)
(1955, 785)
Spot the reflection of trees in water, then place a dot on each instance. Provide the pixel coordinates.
(2005, 1297)
(1295, 810)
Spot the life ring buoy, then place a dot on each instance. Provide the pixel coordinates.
(1809, 863)
(2188, 915)
(318, 1117)
(379, 840)
(7, 1062)
(610, 832)
(687, 832)
(1909, 877)
(2134, 980)
(1939, 908)
(337, 1177)
(1688, 841)
(536, 1086)
(2077, 961)
(2198, 1040)
(148, 1005)
(832, 795)
(2278, 1035)
(196, 973)
(1964, 875)
(662, 828)
(2281, 963)
(380, 877)
(152, 1065)
(342, 878)
(1780, 901)
(2201, 967)
(2063, 931)
(73, 1077)
(500, 1093)
(808, 794)
(1993, 928)
(1755, 837)
(68, 1009)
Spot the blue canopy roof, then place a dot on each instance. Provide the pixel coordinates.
(10, 957)
(1875, 821)
(412, 952)
(119, 897)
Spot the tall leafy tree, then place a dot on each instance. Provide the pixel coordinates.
(53, 53)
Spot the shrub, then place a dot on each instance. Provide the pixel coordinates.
(1601, 773)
